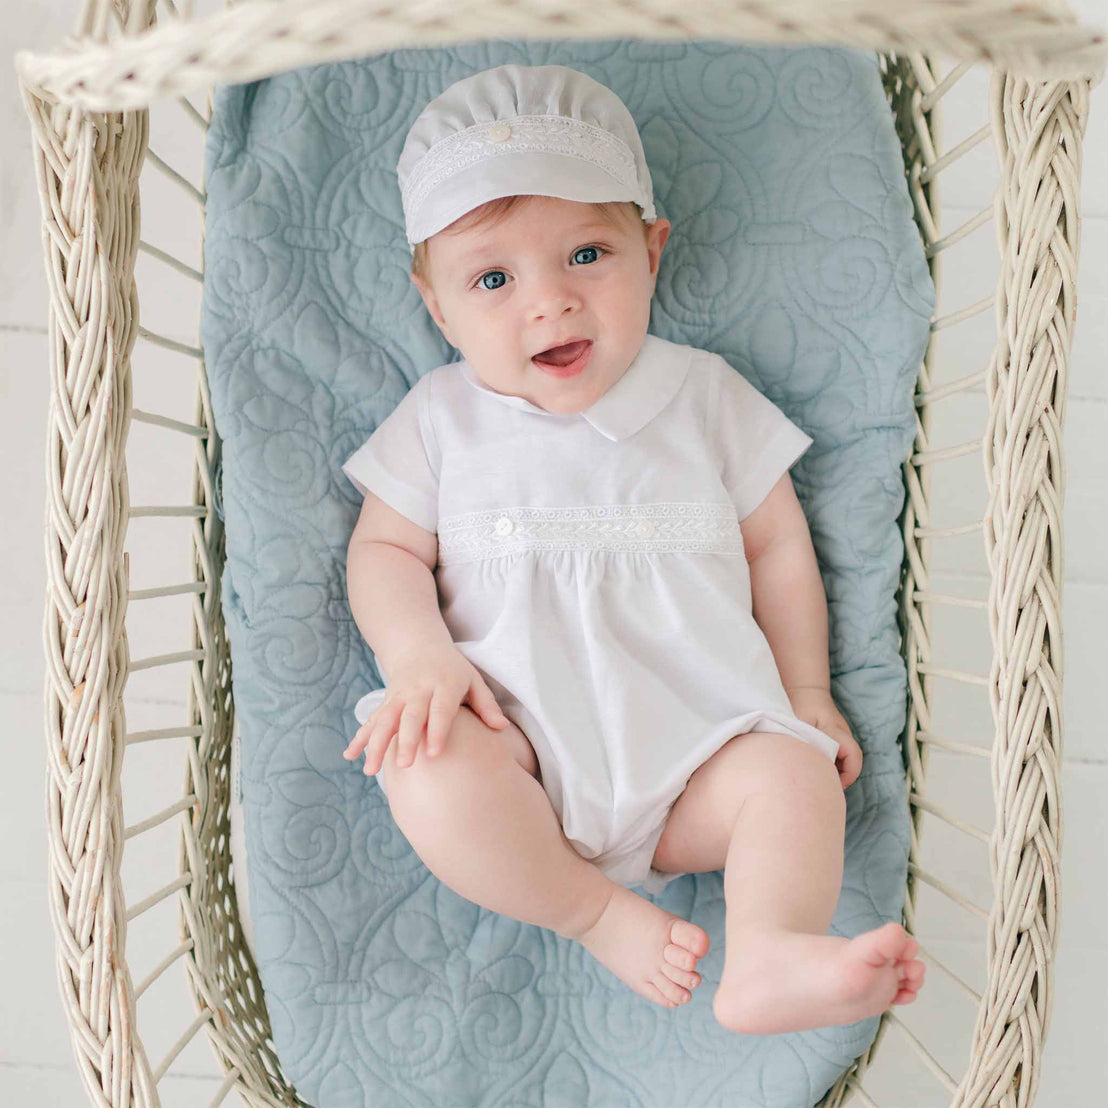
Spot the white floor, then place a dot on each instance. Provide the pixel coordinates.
(37, 1063)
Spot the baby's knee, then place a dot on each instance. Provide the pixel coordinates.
(466, 750)
(789, 766)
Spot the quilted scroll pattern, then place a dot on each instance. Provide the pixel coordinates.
(794, 256)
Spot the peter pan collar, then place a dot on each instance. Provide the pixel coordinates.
(649, 383)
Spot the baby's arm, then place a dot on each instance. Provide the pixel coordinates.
(394, 599)
(790, 606)
(786, 589)
(390, 564)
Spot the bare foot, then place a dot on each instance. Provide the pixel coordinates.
(653, 951)
(790, 981)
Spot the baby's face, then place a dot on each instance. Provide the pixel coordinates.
(549, 272)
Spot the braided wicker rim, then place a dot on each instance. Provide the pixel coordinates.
(87, 166)
(253, 40)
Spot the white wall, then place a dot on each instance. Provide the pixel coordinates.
(36, 1057)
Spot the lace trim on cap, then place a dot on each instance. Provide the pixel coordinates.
(646, 528)
(547, 134)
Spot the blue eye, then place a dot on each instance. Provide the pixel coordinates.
(596, 251)
(493, 273)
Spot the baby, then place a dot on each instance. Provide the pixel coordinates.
(590, 588)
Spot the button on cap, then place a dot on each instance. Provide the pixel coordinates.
(499, 132)
(504, 526)
(646, 528)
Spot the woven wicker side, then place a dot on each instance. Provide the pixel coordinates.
(87, 168)
(1038, 128)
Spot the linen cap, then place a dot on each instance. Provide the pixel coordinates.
(514, 130)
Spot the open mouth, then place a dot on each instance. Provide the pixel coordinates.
(566, 360)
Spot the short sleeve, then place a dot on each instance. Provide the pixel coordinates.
(400, 461)
(756, 441)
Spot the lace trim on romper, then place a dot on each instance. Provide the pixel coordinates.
(646, 528)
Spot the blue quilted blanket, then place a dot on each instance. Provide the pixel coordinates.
(794, 256)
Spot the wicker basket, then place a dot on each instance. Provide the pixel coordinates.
(89, 108)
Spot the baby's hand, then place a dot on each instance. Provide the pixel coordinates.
(817, 707)
(425, 689)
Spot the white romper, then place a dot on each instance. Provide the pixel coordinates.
(591, 567)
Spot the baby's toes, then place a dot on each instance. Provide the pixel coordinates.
(681, 977)
(680, 957)
(670, 989)
(692, 938)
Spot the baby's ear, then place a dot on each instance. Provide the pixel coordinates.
(656, 236)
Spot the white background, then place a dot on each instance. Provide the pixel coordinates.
(36, 1058)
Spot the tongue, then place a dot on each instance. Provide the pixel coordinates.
(562, 355)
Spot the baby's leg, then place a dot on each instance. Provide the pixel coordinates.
(782, 971)
(484, 826)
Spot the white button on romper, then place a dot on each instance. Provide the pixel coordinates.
(591, 567)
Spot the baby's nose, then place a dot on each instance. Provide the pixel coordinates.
(553, 301)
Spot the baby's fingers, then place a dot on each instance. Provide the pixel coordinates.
(439, 718)
(381, 735)
(851, 766)
(412, 720)
(485, 705)
(361, 737)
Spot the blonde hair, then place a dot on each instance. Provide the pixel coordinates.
(614, 212)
